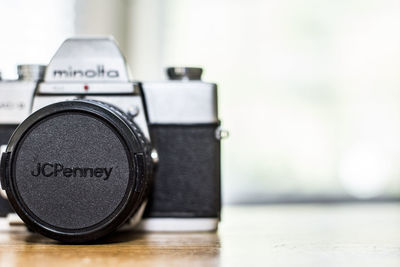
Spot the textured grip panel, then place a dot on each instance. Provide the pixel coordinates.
(5, 134)
(187, 178)
(6, 130)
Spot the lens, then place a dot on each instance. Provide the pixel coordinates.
(77, 170)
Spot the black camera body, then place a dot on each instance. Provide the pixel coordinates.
(100, 151)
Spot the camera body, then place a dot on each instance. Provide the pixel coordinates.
(179, 117)
(15, 105)
(185, 130)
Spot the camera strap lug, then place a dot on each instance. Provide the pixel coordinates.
(221, 133)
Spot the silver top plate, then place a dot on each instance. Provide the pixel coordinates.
(181, 102)
(15, 101)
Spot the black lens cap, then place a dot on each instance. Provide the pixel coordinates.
(75, 171)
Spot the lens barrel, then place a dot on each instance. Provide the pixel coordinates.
(77, 170)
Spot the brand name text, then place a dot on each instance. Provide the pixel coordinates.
(98, 72)
(48, 169)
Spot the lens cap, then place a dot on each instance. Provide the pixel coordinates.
(76, 170)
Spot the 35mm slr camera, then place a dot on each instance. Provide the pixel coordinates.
(99, 151)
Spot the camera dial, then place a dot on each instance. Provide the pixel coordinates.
(31, 72)
(184, 73)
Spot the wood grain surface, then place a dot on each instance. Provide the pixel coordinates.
(278, 235)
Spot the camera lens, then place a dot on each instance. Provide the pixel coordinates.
(77, 170)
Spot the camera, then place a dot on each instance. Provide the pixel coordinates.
(99, 151)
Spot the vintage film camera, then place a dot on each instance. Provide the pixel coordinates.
(100, 151)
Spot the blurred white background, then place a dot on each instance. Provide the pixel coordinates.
(310, 90)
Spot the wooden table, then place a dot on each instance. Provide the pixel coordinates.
(277, 235)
